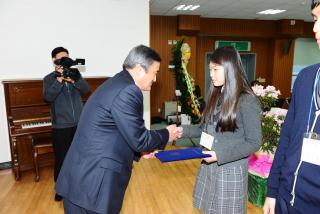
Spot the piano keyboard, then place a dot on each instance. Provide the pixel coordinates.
(35, 125)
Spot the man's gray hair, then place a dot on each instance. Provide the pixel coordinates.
(142, 55)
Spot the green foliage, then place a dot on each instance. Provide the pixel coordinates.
(272, 119)
(268, 102)
(270, 134)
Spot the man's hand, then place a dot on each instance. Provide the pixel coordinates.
(211, 159)
(148, 155)
(174, 132)
(269, 206)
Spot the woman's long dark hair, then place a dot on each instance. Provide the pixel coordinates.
(236, 83)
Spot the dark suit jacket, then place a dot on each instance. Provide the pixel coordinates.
(110, 135)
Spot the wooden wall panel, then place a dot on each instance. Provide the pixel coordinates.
(162, 29)
(291, 28)
(188, 24)
(308, 30)
(272, 63)
(236, 27)
(253, 28)
(282, 67)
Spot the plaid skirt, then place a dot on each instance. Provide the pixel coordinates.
(221, 189)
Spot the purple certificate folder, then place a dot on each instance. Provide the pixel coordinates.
(181, 154)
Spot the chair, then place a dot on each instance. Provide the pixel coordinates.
(41, 144)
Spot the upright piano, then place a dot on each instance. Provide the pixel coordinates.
(28, 114)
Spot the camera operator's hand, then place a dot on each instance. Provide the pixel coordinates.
(68, 79)
(59, 69)
(60, 79)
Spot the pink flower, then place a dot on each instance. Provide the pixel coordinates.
(270, 88)
(272, 92)
(269, 91)
(278, 114)
(258, 90)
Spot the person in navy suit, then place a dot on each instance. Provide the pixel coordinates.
(111, 134)
(293, 184)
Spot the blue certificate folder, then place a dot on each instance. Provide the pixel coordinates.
(180, 154)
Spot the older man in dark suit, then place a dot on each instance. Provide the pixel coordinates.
(111, 134)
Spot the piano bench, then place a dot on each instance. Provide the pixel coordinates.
(41, 144)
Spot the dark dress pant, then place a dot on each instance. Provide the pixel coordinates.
(61, 141)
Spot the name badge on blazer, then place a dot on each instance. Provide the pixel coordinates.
(311, 150)
(206, 140)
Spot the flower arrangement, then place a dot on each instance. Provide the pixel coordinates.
(259, 164)
(271, 126)
(268, 96)
(272, 118)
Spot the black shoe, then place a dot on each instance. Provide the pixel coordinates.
(57, 197)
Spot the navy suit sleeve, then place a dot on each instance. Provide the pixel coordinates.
(286, 129)
(137, 156)
(127, 112)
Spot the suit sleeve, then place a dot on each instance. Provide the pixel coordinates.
(250, 113)
(127, 112)
(286, 129)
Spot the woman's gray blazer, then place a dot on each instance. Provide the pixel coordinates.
(221, 187)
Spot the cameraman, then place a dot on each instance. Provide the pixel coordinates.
(64, 95)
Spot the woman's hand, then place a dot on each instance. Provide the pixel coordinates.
(148, 155)
(211, 159)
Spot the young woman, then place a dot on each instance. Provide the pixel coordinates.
(231, 130)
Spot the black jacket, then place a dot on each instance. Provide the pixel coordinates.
(65, 100)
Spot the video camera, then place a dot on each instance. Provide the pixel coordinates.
(70, 68)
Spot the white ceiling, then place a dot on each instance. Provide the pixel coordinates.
(236, 9)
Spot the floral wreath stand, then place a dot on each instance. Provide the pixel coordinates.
(189, 102)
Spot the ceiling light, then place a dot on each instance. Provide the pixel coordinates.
(180, 7)
(195, 7)
(271, 12)
(188, 7)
